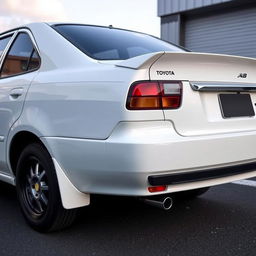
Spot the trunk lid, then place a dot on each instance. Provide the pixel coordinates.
(205, 78)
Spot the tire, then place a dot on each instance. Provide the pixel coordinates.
(192, 194)
(38, 191)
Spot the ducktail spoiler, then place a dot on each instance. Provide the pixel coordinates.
(191, 66)
(141, 62)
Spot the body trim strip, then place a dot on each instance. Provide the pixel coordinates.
(222, 87)
(200, 175)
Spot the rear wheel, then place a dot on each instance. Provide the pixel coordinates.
(192, 194)
(38, 191)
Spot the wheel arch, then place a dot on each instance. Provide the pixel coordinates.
(71, 198)
(17, 144)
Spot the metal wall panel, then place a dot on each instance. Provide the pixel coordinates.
(229, 33)
(170, 28)
(168, 7)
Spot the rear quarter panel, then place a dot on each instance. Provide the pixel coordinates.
(82, 102)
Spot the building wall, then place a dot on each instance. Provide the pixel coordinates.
(170, 28)
(232, 32)
(218, 26)
(168, 7)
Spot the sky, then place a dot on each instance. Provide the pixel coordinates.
(139, 15)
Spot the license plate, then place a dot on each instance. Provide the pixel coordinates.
(236, 105)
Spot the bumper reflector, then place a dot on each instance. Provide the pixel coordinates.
(157, 189)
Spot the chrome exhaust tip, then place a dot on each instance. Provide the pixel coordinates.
(164, 203)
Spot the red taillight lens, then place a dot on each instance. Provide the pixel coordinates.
(146, 89)
(146, 95)
(154, 95)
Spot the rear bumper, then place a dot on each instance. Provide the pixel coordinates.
(141, 154)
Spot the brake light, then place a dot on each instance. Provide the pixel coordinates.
(154, 95)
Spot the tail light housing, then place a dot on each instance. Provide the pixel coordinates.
(148, 95)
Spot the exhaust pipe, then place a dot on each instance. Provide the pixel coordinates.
(164, 203)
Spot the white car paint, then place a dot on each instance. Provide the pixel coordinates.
(121, 164)
(204, 107)
(76, 106)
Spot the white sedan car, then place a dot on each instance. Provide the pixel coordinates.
(97, 110)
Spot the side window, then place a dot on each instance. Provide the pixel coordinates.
(3, 42)
(34, 61)
(21, 57)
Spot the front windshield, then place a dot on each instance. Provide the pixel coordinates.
(103, 43)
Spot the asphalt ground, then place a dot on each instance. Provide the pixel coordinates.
(221, 222)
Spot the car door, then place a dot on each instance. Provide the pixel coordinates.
(19, 64)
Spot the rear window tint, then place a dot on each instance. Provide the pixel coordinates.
(104, 43)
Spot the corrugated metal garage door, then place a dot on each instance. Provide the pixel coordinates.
(230, 33)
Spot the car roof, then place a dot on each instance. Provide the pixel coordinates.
(67, 23)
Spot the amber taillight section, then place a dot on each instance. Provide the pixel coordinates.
(154, 95)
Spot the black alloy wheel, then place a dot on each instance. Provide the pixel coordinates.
(38, 191)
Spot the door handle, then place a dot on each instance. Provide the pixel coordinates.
(16, 92)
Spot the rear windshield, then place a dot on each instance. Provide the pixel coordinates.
(103, 43)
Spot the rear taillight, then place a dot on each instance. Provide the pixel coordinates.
(154, 95)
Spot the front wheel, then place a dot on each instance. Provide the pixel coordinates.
(38, 191)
